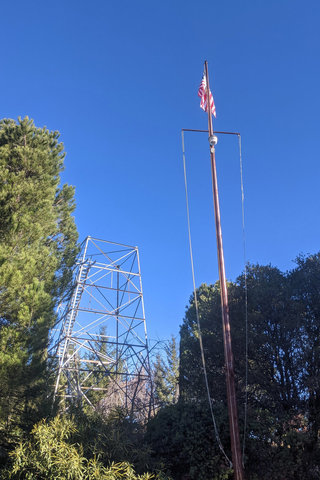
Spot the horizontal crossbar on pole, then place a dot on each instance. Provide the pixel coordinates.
(207, 131)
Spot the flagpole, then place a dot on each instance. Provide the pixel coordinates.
(231, 395)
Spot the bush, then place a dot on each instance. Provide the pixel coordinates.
(183, 440)
(50, 454)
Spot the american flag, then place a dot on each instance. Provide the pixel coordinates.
(202, 93)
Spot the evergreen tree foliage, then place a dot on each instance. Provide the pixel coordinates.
(184, 445)
(166, 375)
(305, 286)
(192, 384)
(38, 246)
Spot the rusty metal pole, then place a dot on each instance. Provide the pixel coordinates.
(231, 394)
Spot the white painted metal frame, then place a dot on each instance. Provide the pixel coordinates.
(102, 345)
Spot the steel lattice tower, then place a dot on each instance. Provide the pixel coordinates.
(102, 347)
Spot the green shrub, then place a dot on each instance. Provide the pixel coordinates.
(50, 454)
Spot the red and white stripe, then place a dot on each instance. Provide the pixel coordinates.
(202, 93)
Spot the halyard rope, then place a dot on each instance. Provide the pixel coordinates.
(246, 302)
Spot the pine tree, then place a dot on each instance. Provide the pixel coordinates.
(38, 246)
(166, 375)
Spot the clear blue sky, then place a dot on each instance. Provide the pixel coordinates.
(119, 80)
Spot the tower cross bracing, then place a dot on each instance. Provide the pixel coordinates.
(102, 346)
